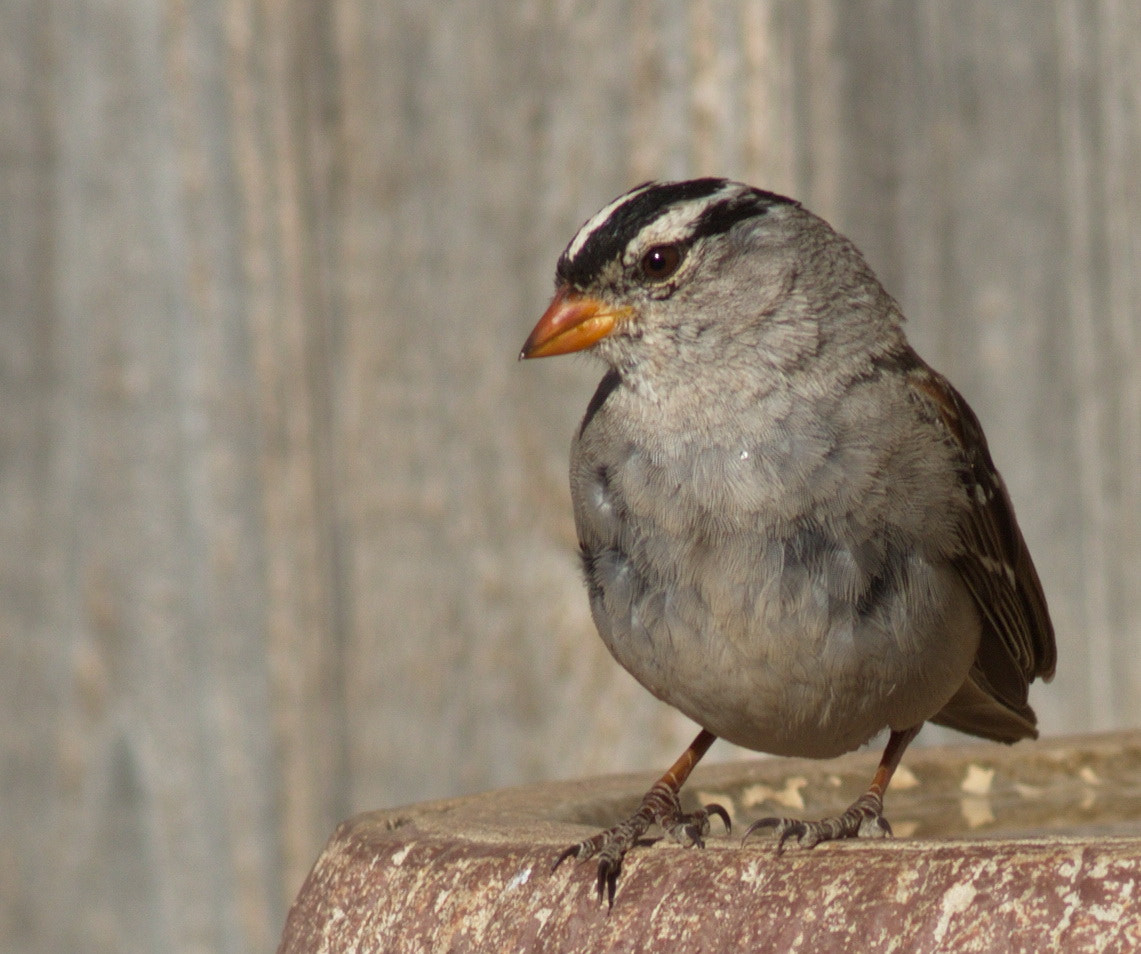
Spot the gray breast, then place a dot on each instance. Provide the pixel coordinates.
(720, 579)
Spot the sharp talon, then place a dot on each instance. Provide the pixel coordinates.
(660, 806)
(564, 855)
(720, 812)
(759, 825)
(608, 881)
(863, 819)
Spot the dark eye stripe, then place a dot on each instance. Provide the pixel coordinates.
(609, 239)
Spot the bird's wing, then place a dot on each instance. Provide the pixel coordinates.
(1017, 641)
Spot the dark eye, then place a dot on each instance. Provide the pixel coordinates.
(660, 262)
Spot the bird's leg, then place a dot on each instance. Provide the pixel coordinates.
(863, 818)
(660, 806)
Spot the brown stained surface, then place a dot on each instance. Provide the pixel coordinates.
(1035, 848)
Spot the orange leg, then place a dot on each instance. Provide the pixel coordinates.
(660, 806)
(864, 818)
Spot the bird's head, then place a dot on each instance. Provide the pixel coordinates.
(701, 273)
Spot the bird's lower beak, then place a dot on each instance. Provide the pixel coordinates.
(571, 322)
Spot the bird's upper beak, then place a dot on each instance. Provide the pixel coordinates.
(571, 322)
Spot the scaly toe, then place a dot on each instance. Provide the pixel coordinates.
(863, 819)
(608, 870)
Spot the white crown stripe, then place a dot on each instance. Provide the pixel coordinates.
(599, 219)
(672, 217)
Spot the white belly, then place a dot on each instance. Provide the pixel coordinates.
(780, 668)
(778, 637)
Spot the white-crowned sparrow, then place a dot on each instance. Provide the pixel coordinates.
(790, 526)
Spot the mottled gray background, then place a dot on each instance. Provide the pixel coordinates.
(284, 528)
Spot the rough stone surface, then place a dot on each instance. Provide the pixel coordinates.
(1035, 848)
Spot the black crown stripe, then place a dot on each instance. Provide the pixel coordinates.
(609, 239)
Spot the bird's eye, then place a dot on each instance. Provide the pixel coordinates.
(660, 262)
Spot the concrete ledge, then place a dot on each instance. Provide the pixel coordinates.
(1030, 848)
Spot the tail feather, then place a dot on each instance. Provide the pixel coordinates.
(976, 710)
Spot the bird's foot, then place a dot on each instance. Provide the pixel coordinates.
(659, 807)
(864, 818)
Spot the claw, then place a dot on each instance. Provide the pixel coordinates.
(715, 809)
(695, 827)
(608, 881)
(659, 806)
(564, 855)
(863, 819)
(611, 845)
(786, 828)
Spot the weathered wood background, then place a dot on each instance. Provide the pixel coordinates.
(284, 528)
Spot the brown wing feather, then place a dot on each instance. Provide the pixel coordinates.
(1017, 641)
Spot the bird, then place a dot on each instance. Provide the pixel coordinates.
(790, 526)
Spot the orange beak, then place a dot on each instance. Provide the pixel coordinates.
(571, 322)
